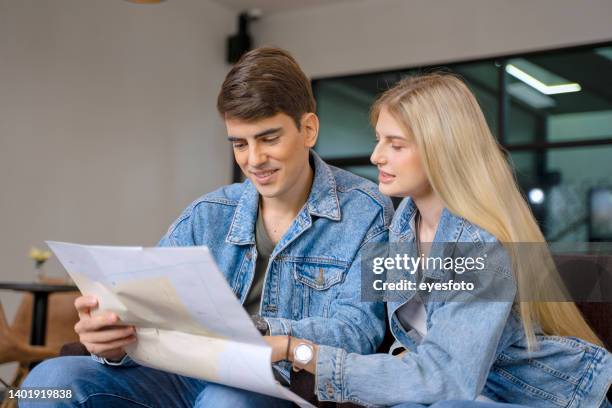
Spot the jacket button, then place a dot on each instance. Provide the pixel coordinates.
(248, 255)
(321, 278)
(330, 390)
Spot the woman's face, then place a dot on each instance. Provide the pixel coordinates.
(400, 173)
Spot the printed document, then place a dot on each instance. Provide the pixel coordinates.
(188, 320)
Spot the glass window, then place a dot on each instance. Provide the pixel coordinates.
(524, 166)
(558, 184)
(343, 106)
(370, 172)
(560, 96)
(483, 80)
(558, 129)
(577, 171)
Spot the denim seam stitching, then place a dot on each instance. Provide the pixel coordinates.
(230, 237)
(314, 259)
(550, 370)
(372, 235)
(342, 356)
(340, 379)
(583, 379)
(383, 207)
(218, 200)
(566, 340)
(236, 281)
(531, 389)
(188, 213)
(312, 284)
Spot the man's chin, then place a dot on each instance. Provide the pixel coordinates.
(267, 190)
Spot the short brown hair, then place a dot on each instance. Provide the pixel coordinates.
(264, 82)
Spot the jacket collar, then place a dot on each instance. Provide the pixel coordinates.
(449, 227)
(322, 202)
(323, 198)
(445, 239)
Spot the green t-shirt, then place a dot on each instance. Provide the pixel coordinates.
(264, 246)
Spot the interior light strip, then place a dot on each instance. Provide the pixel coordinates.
(539, 85)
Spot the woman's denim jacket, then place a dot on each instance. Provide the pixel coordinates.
(312, 284)
(470, 348)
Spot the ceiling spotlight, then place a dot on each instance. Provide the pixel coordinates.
(536, 196)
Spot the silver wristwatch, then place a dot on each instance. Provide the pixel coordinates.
(302, 355)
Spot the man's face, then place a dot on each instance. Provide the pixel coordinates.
(272, 152)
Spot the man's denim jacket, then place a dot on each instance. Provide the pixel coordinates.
(470, 348)
(312, 284)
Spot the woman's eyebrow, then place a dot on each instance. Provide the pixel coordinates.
(391, 137)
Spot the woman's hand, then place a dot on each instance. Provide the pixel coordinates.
(311, 366)
(283, 347)
(279, 347)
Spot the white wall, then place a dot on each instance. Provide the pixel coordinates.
(370, 35)
(108, 125)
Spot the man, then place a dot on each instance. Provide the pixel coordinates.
(288, 240)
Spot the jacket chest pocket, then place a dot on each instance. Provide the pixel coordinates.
(316, 285)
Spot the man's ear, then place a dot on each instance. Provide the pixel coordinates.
(309, 126)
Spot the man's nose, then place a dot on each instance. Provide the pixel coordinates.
(257, 155)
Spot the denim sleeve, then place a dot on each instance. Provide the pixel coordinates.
(462, 338)
(352, 324)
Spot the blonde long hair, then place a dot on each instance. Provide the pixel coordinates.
(468, 171)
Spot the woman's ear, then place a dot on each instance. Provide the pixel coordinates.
(310, 128)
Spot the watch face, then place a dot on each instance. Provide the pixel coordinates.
(303, 353)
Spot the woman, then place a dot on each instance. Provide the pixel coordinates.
(434, 147)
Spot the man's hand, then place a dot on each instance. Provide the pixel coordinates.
(102, 334)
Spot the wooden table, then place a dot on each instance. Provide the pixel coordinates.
(41, 293)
